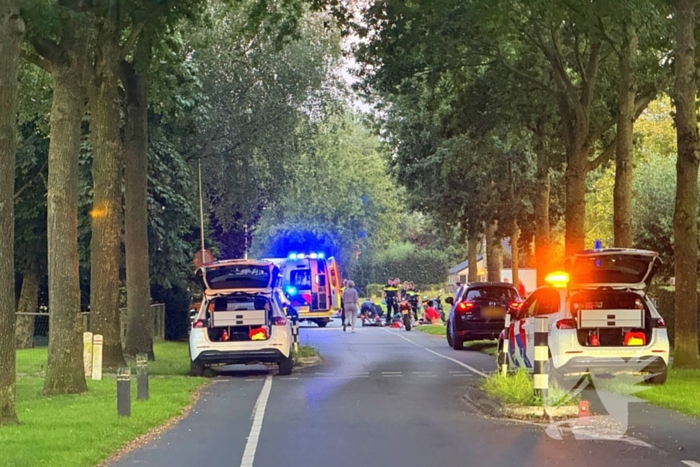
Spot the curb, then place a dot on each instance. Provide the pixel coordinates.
(490, 407)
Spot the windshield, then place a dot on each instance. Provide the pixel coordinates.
(491, 293)
(239, 277)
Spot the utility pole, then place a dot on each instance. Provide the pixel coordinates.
(201, 210)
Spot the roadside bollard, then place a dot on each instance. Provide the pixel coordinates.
(295, 334)
(142, 377)
(87, 354)
(97, 342)
(124, 391)
(541, 378)
(506, 344)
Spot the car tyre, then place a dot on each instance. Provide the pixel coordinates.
(197, 369)
(457, 343)
(321, 324)
(657, 378)
(448, 333)
(285, 366)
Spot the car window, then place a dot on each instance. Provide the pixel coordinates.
(491, 292)
(531, 303)
(549, 302)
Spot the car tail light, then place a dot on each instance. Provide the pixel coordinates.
(465, 307)
(515, 305)
(198, 324)
(566, 324)
(660, 323)
(279, 321)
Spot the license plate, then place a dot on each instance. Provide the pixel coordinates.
(404, 312)
(302, 309)
(493, 312)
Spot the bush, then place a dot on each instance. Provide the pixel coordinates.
(374, 289)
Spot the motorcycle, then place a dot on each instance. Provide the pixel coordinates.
(406, 312)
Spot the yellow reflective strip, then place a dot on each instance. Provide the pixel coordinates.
(541, 381)
(541, 353)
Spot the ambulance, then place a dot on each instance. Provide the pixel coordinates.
(312, 284)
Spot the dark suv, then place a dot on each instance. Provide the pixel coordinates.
(478, 311)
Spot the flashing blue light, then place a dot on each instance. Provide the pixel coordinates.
(321, 255)
(598, 245)
(301, 256)
(291, 290)
(313, 256)
(292, 256)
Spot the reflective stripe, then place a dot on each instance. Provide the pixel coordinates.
(541, 353)
(541, 381)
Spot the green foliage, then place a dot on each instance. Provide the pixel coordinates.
(666, 305)
(374, 290)
(422, 267)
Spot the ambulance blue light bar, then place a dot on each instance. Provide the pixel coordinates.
(316, 255)
(291, 290)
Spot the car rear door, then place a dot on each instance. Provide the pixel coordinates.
(545, 301)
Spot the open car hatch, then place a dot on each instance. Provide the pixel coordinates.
(615, 268)
(238, 275)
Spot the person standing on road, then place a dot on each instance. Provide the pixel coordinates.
(391, 296)
(350, 302)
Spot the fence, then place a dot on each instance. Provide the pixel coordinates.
(32, 336)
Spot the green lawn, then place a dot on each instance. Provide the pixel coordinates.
(484, 346)
(81, 430)
(680, 392)
(433, 330)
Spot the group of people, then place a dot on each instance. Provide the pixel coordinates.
(395, 296)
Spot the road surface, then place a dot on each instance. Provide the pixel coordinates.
(382, 397)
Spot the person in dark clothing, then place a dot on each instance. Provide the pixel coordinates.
(391, 296)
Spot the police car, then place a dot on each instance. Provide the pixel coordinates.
(600, 318)
(241, 319)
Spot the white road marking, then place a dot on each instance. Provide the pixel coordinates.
(258, 414)
(462, 374)
(288, 378)
(427, 376)
(393, 376)
(323, 374)
(691, 463)
(391, 372)
(254, 379)
(422, 373)
(463, 365)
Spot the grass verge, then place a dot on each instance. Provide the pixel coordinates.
(84, 429)
(484, 346)
(518, 389)
(680, 393)
(305, 351)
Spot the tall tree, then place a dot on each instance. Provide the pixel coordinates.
(66, 60)
(11, 32)
(685, 219)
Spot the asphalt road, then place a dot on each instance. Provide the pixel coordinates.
(381, 398)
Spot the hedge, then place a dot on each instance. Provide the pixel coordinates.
(423, 267)
(665, 303)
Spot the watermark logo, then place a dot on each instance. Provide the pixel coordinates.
(609, 396)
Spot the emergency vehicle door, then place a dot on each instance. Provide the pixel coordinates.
(334, 283)
(547, 303)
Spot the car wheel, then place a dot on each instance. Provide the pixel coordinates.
(285, 366)
(196, 369)
(457, 343)
(321, 324)
(448, 333)
(657, 378)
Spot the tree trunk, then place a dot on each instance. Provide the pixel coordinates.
(685, 227)
(139, 332)
(514, 253)
(11, 32)
(494, 258)
(625, 143)
(106, 176)
(28, 301)
(575, 209)
(473, 258)
(541, 214)
(65, 372)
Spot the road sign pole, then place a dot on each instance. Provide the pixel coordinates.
(541, 378)
(295, 334)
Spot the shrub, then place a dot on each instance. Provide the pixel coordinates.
(665, 303)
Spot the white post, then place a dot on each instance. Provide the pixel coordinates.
(87, 354)
(97, 342)
(506, 345)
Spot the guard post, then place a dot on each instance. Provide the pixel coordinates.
(124, 391)
(87, 354)
(506, 345)
(295, 333)
(97, 342)
(142, 377)
(541, 377)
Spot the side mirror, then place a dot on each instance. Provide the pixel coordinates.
(450, 300)
(193, 314)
